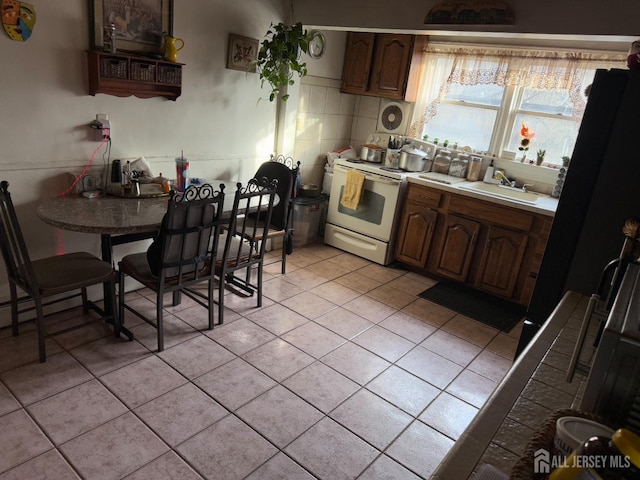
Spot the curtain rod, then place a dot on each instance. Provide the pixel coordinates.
(518, 48)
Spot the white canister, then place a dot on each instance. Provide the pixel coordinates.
(364, 152)
(571, 432)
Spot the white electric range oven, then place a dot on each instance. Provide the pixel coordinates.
(369, 230)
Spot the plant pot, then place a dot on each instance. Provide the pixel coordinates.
(539, 160)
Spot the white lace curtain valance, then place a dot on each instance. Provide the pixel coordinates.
(569, 71)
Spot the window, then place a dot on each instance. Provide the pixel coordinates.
(481, 98)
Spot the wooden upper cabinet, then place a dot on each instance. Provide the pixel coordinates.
(382, 65)
(392, 59)
(357, 62)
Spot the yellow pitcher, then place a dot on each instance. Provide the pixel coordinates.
(171, 48)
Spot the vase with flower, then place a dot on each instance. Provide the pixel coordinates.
(527, 135)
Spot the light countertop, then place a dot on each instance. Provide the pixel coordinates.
(545, 205)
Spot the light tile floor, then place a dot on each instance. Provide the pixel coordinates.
(344, 372)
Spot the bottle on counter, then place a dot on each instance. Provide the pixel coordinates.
(488, 174)
(475, 165)
(126, 179)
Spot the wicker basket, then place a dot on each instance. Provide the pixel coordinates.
(543, 438)
(143, 71)
(113, 67)
(169, 75)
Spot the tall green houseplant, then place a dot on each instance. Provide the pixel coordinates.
(280, 56)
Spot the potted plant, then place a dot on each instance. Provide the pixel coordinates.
(565, 160)
(279, 57)
(540, 156)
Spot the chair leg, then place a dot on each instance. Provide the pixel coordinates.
(177, 297)
(110, 305)
(284, 255)
(41, 332)
(85, 300)
(221, 297)
(159, 321)
(14, 309)
(259, 286)
(210, 308)
(121, 291)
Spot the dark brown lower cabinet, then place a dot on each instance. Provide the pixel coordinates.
(491, 247)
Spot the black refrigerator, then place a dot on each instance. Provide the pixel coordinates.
(601, 191)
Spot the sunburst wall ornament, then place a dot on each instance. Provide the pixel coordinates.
(470, 12)
(18, 19)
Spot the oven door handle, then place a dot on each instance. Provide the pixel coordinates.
(370, 176)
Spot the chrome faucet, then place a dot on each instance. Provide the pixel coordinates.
(504, 180)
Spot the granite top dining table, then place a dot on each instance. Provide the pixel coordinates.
(116, 219)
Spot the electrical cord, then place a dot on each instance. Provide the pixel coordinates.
(106, 138)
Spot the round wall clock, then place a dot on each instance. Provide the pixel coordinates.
(317, 45)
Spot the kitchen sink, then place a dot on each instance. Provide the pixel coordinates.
(501, 191)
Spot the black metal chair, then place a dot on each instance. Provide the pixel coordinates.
(285, 170)
(181, 256)
(244, 240)
(50, 277)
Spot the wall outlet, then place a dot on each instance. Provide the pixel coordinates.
(100, 124)
(88, 183)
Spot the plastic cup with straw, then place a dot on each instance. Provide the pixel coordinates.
(182, 172)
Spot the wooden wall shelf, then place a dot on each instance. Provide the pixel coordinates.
(124, 75)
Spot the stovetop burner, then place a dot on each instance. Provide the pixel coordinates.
(391, 169)
(352, 160)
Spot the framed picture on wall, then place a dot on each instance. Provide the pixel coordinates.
(242, 53)
(139, 26)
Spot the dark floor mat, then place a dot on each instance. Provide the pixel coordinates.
(493, 311)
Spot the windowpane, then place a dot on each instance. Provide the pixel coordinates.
(464, 124)
(546, 101)
(555, 135)
(490, 95)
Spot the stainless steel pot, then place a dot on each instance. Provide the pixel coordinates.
(413, 160)
(372, 153)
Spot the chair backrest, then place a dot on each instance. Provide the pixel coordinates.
(295, 186)
(189, 232)
(279, 171)
(14, 249)
(244, 244)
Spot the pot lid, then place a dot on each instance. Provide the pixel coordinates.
(415, 151)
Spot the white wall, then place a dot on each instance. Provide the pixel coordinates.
(218, 121)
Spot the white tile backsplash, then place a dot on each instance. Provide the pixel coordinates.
(347, 104)
(324, 123)
(328, 119)
(318, 101)
(333, 101)
(369, 108)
